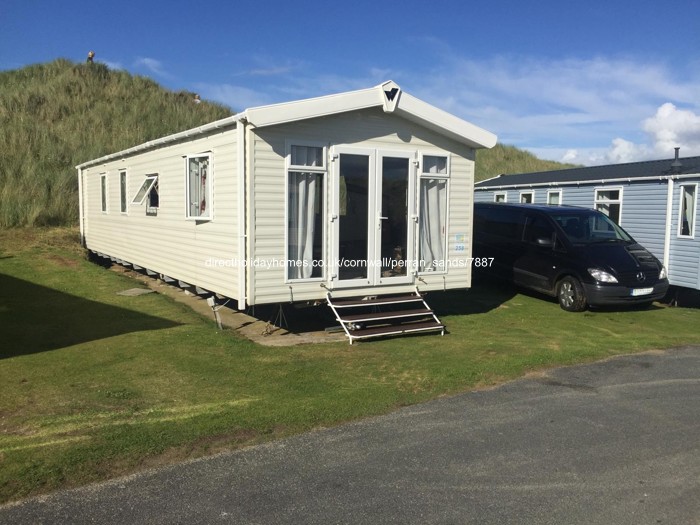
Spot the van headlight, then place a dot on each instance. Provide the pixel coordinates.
(662, 273)
(601, 276)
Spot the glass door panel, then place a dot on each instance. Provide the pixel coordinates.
(394, 189)
(353, 217)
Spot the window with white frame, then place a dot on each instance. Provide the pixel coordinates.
(527, 197)
(554, 197)
(688, 201)
(432, 247)
(103, 191)
(122, 192)
(198, 186)
(500, 197)
(609, 202)
(148, 192)
(306, 211)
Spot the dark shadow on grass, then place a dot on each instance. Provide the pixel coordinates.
(36, 319)
(484, 295)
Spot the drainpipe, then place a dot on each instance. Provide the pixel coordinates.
(669, 224)
(81, 207)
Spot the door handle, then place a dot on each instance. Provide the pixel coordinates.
(379, 226)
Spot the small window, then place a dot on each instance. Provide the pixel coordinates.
(435, 165)
(103, 191)
(199, 199)
(145, 190)
(527, 197)
(609, 202)
(500, 197)
(122, 191)
(554, 197)
(686, 224)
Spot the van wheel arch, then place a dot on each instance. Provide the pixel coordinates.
(570, 294)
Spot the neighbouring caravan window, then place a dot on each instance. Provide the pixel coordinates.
(686, 224)
(527, 197)
(306, 207)
(103, 191)
(554, 197)
(500, 197)
(609, 203)
(432, 246)
(199, 186)
(122, 191)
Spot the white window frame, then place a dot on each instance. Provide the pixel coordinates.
(531, 193)
(423, 175)
(323, 171)
(503, 194)
(148, 183)
(680, 211)
(209, 200)
(597, 200)
(124, 192)
(553, 192)
(104, 193)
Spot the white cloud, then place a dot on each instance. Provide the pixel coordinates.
(672, 127)
(152, 65)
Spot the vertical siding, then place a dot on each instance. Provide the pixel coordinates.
(169, 243)
(363, 129)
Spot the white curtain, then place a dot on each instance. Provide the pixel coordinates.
(433, 216)
(302, 214)
(688, 210)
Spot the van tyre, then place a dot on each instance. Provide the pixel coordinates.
(570, 294)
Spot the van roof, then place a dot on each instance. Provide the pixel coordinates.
(546, 208)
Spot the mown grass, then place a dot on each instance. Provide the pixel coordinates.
(96, 385)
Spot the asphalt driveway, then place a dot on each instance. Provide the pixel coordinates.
(615, 442)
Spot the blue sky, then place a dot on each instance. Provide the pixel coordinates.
(588, 82)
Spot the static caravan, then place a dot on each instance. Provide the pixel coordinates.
(354, 196)
(655, 201)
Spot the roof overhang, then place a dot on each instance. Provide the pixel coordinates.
(387, 96)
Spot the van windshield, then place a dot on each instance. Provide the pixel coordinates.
(588, 228)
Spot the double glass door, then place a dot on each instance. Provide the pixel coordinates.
(372, 217)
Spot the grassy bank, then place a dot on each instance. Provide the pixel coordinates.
(96, 384)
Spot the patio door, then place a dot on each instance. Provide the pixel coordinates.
(372, 219)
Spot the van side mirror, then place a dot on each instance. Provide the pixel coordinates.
(544, 242)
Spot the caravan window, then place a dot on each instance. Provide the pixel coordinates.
(103, 191)
(306, 211)
(122, 191)
(198, 186)
(686, 224)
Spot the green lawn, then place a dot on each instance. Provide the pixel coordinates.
(95, 384)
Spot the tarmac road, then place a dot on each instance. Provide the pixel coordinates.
(615, 442)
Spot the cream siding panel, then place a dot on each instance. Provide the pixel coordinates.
(363, 129)
(169, 243)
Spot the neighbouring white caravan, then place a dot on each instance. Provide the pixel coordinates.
(361, 193)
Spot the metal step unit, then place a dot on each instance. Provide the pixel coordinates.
(372, 316)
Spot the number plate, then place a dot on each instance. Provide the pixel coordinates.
(641, 291)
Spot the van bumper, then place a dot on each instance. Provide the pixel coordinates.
(601, 295)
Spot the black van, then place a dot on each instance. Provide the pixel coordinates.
(578, 255)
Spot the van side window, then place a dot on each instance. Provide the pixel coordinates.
(502, 222)
(538, 227)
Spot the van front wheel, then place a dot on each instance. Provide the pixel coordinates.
(570, 295)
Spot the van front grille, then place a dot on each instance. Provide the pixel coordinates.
(651, 276)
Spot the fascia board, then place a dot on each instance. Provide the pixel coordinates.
(412, 108)
(312, 108)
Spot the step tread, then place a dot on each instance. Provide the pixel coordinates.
(346, 303)
(377, 316)
(396, 329)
